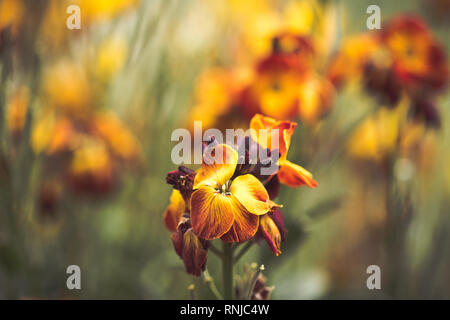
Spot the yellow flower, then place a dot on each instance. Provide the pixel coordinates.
(67, 89)
(226, 208)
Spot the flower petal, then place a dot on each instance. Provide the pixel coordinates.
(194, 253)
(212, 213)
(219, 164)
(271, 234)
(191, 250)
(263, 129)
(174, 211)
(244, 227)
(293, 175)
(251, 194)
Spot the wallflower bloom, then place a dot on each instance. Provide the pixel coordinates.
(403, 58)
(285, 83)
(226, 208)
(289, 173)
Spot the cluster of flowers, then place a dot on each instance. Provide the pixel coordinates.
(230, 199)
(402, 59)
(285, 84)
(85, 148)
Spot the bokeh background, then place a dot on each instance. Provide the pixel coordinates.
(85, 127)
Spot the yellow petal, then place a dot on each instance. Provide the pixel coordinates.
(212, 213)
(271, 233)
(174, 211)
(244, 227)
(218, 167)
(251, 194)
(264, 127)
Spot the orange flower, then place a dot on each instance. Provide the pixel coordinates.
(225, 207)
(289, 173)
(418, 58)
(275, 89)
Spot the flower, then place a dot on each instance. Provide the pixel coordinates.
(223, 206)
(289, 173)
(272, 229)
(418, 59)
(191, 249)
(285, 83)
(402, 58)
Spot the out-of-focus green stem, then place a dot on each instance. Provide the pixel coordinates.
(241, 252)
(227, 271)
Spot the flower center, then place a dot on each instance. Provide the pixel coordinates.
(225, 188)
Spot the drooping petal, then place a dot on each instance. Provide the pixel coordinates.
(174, 211)
(293, 175)
(191, 250)
(219, 164)
(194, 253)
(212, 213)
(244, 227)
(251, 194)
(271, 233)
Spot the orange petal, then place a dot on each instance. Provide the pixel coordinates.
(244, 227)
(217, 173)
(263, 128)
(271, 233)
(251, 194)
(174, 211)
(212, 213)
(294, 176)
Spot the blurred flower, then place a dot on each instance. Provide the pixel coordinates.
(17, 110)
(289, 173)
(91, 167)
(353, 56)
(419, 61)
(100, 10)
(12, 13)
(225, 208)
(376, 136)
(403, 58)
(116, 135)
(216, 92)
(286, 84)
(111, 57)
(66, 88)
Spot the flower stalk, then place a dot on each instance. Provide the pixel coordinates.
(227, 271)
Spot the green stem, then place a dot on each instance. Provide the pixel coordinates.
(212, 286)
(227, 271)
(244, 249)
